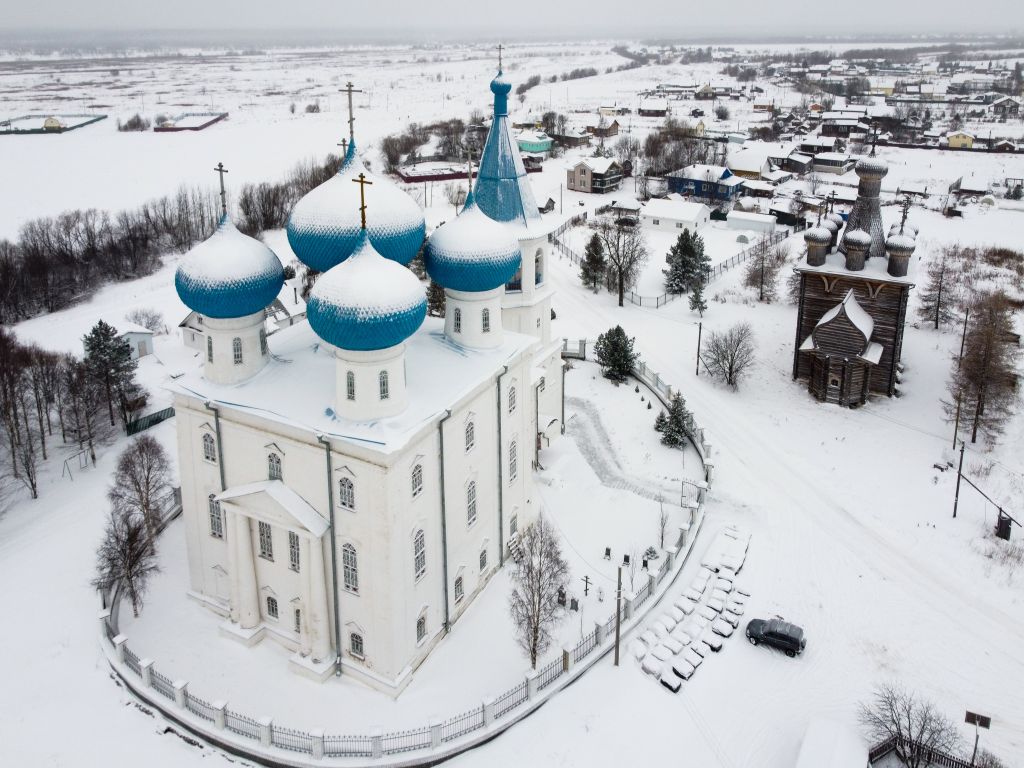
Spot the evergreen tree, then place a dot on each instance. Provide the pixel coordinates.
(679, 274)
(697, 302)
(678, 423)
(615, 354)
(595, 266)
(660, 421)
(435, 300)
(701, 262)
(108, 359)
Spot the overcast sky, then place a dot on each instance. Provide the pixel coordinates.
(677, 18)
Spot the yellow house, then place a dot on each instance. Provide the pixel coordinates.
(960, 140)
(698, 129)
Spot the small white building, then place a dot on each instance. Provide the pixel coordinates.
(672, 215)
(140, 339)
(758, 222)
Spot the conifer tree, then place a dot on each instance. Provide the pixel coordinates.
(678, 423)
(680, 264)
(697, 302)
(942, 289)
(435, 300)
(615, 354)
(108, 358)
(660, 422)
(595, 266)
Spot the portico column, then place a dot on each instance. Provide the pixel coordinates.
(321, 637)
(248, 599)
(231, 524)
(305, 627)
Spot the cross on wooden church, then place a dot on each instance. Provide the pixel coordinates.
(223, 194)
(905, 205)
(349, 89)
(500, 47)
(362, 182)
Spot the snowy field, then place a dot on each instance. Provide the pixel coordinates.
(852, 533)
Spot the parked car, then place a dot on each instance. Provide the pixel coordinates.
(778, 634)
(696, 113)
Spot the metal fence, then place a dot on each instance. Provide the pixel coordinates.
(242, 725)
(147, 421)
(584, 647)
(929, 756)
(759, 246)
(348, 746)
(511, 699)
(288, 738)
(132, 661)
(549, 674)
(406, 741)
(197, 706)
(462, 724)
(161, 683)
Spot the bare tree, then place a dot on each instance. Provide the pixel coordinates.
(626, 251)
(142, 482)
(916, 725)
(539, 574)
(662, 522)
(730, 354)
(148, 318)
(762, 270)
(988, 760)
(125, 558)
(943, 290)
(813, 180)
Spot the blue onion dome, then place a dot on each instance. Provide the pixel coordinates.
(857, 239)
(229, 274)
(367, 302)
(871, 166)
(500, 86)
(818, 235)
(324, 227)
(473, 252)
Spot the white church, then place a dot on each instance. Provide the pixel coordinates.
(351, 483)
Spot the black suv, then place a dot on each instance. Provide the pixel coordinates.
(778, 634)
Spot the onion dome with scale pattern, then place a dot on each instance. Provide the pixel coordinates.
(871, 167)
(324, 227)
(819, 235)
(473, 252)
(900, 244)
(367, 302)
(857, 239)
(836, 219)
(906, 228)
(229, 274)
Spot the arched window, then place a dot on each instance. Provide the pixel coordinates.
(293, 551)
(419, 553)
(209, 349)
(459, 590)
(263, 342)
(355, 644)
(417, 480)
(272, 607)
(216, 518)
(383, 378)
(513, 461)
(236, 350)
(347, 492)
(542, 383)
(298, 620)
(470, 435)
(350, 385)
(471, 502)
(209, 448)
(511, 399)
(483, 560)
(421, 628)
(350, 567)
(485, 321)
(457, 322)
(538, 267)
(273, 467)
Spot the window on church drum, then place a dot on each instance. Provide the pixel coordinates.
(272, 607)
(298, 620)
(459, 590)
(347, 493)
(266, 541)
(236, 350)
(209, 349)
(470, 435)
(350, 567)
(273, 467)
(485, 321)
(419, 553)
(457, 322)
(513, 461)
(538, 267)
(421, 628)
(355, 644)
(511, 399)
(216, 518)
(483, 560)
(384, 393)
(293, 550)
(209, 448)
(264, 349)
(350, 385)
(417, 480)
(471, 502)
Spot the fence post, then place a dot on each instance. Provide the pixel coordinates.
(566, 659)
(146, 672)
(180, 693)
(488, 706)
(435, 733)
(702, 491)
(266, 730)
(317, 737)
(219, 714)
(531, 685)
(627, 607)
(670, 557)
(598, 632)
(709, 472)
(652, 583)
(119, 645)
(377, 743)
(104, 617)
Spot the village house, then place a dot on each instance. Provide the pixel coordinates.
(604, 131)
(573, 137)
(1006, 107)
(594, 175)
(672, 215)
(710, 182)
(960, 140)
(534, 141)
(653, 108)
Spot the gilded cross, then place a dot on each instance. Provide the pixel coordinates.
(223, 194)
(349, 89)
(362, 182)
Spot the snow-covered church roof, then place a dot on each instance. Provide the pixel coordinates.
(367, 302)
(229, 274)
(323, 229)
(473, 252)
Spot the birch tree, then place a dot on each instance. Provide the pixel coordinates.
(540, 572)
(142, 482)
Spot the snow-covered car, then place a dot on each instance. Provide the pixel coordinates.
(682, 668)
(671, 681)
(777, 634)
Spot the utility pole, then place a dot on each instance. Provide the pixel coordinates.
(963, 338)
(956, 424)
(959, 474)
(700, 328)
(618, 616)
